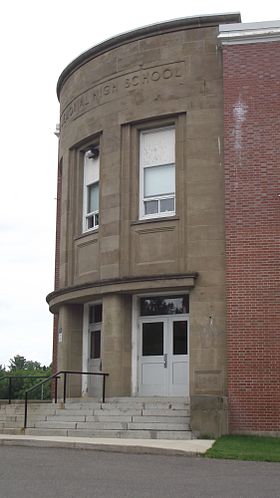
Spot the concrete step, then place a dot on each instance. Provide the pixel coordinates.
(135, 434)
(117, 412)
(158, 426)
(160, 419)
(118, 417)
(12, 430)
(73, 413)
(102, 425)
(184, 412)
(61, 419)
(45, 432)
(109, 418)
(83, 406)
(53, 424)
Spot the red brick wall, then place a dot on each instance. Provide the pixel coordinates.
(57, 257)
(252, 202)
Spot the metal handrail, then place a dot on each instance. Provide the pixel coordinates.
(55, 377)
(10, 377)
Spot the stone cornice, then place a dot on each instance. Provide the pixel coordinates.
(258, 32)
(84, 292)
(139, 34)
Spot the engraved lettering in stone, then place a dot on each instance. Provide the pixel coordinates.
(106, 91)
(208, 380)
(135, 80)
(167, 73)
(155, 76)
(145, 77)
(177, 73)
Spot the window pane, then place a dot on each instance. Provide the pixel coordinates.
(180, 338)
(98, 313)
(151, 207)
(164, 305)
(95, 339)
(95, 313)
(90, 221)
(157, 146)
(166, 205)
(93, 197)
(152, 339)
(159, 180)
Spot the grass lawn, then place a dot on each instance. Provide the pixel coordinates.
(262, 449)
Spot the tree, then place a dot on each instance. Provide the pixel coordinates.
(3, 383)
(17, 363)
(20, 367)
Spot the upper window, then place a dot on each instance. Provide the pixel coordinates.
(91, 189)
(157, 172)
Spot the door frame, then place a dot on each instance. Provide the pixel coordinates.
(135, 330)
(85, 348)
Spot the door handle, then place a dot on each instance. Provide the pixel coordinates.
(165, 360)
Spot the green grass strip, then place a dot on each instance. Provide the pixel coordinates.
(257, 448)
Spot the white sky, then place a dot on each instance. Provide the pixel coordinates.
(38, 39)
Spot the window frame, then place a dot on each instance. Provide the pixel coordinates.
(142, 168)
(86, 189)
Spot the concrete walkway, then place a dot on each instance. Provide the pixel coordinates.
(192, 447)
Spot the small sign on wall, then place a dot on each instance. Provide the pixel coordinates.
(60, 335)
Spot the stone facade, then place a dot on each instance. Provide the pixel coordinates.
(167, 75)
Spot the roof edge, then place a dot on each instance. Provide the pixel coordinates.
(237, 34)
(140, 33)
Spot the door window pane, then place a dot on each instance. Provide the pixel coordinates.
(180, 338)
(95, 313)
(95, 339)
(152, 335)
(164, 305)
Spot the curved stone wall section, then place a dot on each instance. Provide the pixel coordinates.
(170, 78)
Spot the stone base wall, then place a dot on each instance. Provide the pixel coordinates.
(209, 416)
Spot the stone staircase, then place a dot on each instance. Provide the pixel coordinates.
(145, 418)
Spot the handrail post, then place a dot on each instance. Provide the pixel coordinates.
(25, 410)
(103, 393)
(55, 390)
(64, 388)
(10, 389)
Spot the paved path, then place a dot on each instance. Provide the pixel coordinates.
(150, 446)
(67, 473)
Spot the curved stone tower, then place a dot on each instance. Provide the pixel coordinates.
(140, 267)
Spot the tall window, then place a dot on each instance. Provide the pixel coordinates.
(157, 172)
(91, 189)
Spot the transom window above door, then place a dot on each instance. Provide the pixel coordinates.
(164, 305)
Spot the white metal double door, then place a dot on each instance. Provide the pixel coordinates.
(163, 368)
